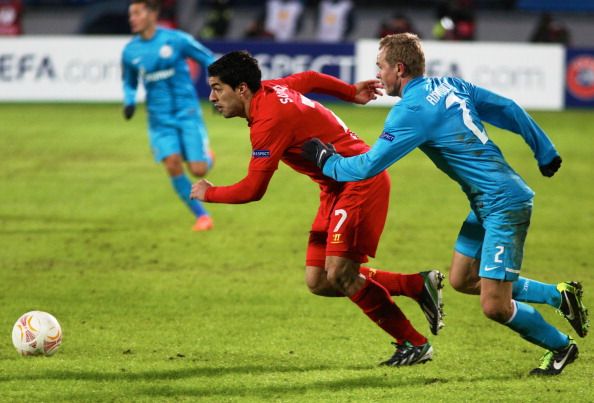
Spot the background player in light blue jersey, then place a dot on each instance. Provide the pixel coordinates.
(176, 130)
(443, 117)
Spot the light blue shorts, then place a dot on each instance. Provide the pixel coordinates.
(185, 136)
(497, 240)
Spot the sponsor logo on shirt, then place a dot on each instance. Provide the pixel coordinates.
(159, 75)
(261, 153)
(336, 238)
(387, 136)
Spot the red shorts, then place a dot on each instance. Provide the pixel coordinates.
(350, 222)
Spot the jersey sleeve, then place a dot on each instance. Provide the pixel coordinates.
(270, 138)
(312, 81)
(506, 114)
(269, 142)
(249, 189)
(129, 79)
(195, 50)
(399, 137)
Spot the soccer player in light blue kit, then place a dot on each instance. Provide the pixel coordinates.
(176, 130)
(442, 117)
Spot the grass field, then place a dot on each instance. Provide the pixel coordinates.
(91, 232)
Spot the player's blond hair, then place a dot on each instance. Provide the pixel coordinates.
(406, 49)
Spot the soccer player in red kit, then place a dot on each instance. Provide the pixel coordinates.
(351, 216)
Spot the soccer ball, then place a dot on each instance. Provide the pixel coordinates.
(37, 333)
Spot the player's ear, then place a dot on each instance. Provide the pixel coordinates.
(242, 89)
(401, 68)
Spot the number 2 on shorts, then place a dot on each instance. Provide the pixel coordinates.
(497, 258)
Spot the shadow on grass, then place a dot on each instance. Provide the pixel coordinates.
(283, 381)
(287, 388)
(173, 374)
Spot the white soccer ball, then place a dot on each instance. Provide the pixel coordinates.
(37, 333)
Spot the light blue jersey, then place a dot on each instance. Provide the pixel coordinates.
(175, 118)
(443, 117)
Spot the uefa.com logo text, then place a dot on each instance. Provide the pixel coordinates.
(36, 67)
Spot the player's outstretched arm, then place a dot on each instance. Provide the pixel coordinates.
(249, 189)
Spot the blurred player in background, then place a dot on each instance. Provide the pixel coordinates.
(443, 117)
(351, 216)
(177, 132)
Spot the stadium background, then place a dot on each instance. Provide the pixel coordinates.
(91, 232)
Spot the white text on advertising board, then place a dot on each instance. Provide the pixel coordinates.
(39, 67)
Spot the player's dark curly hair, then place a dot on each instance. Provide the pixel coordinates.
(237, 67)
(154, 5)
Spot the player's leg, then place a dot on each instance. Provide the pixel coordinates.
(566, 297)
(529, 324)
(463, 274)
(182, 184)
(415, 285)
(317, 281)
(356, 222)
(365, 218)
(195, 144)
(339, 276)
(397, 284)
(195, 150)
(501, 260)
(376, 303)
(466, 260)
(167, 149)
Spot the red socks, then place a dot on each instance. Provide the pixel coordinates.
(375, 302)
(409, 285)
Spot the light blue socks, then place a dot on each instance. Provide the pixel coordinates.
(529, 323)
(527, 290)
(183, 188)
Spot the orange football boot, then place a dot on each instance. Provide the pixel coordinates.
(203, 223)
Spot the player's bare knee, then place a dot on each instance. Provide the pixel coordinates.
(173, 165)
(457, 283)
(316, 285)
(198, 169)
(497, 312)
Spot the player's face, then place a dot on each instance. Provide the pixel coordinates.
(141, 18)
(225, 99)
(390, 76)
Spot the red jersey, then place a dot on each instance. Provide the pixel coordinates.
(281, 120)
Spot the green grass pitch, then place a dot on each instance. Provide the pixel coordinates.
(91, 231)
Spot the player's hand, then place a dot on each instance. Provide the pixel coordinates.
(549, 169)
(129, 111)
(199, 189)
(366, 91)
(316, 151)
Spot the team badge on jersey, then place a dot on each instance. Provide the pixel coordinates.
(166, 51)
(261, 153)
(387, 136)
